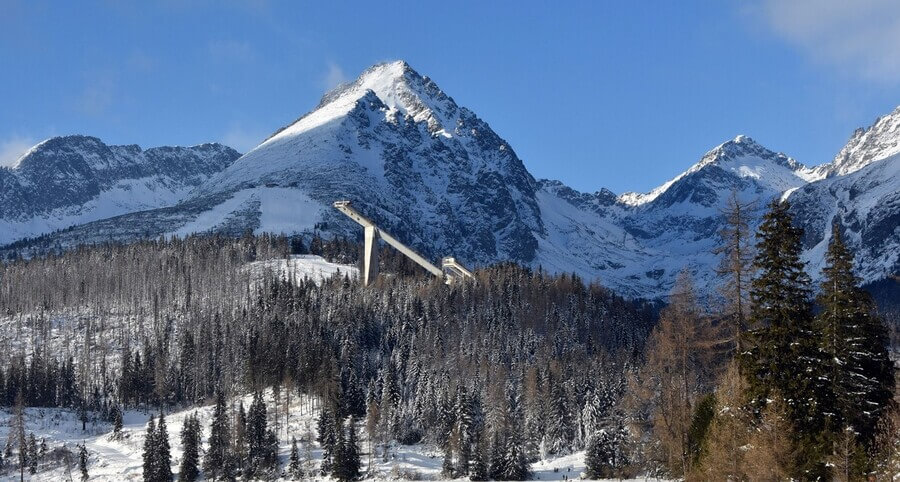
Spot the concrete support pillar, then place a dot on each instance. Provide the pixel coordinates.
(370, 256)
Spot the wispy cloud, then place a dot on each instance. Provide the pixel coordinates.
(242, 138)
(860, 37)
(334, 76)
(13, 147)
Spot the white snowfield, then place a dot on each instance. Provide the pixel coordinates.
(302, 267)
(120, 458)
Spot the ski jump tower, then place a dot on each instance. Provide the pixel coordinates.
(450, 270)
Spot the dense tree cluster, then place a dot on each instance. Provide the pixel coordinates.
(497, 373)
(183, 319)
(800, 388)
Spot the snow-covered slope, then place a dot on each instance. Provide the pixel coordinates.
(70, 180)
(439, 178)
(879, 141)
(120, 458)
(303, 267)
(427, 170)
(637, 243)
(866, 205)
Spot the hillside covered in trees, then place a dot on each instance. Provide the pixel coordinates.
(776, 379)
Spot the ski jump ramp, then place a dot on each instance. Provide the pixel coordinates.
(450, 271)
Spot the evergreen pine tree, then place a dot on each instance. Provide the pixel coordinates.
(783, 353)
(256, 436)
(149, 454)
(855, 344)
(117, 421)
(32, 454)
(162, 452)
(17, 433)
(351, 452)
(240, 450)
(83, 462)
(479, 466)
(447, 467)
(465, 431)
(596, 465)
(340, 467)
(190, 446)
(295, 468)
(559, 423)
(218, 456)
(497, 468)
(605, 456)
(516, 464)
(327, 439)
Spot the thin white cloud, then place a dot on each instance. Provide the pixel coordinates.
(241, 138)
(333, 77)
(859, 37)
(14, 147)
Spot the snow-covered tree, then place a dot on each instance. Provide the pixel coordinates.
(218, 457)
(854, 341)
(190, 446)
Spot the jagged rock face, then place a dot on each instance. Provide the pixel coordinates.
(672, 228)
(428, 171)
(865, 204)
(440, 179)
(67, 180)
(879, 141)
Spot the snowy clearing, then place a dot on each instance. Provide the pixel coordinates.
(120, 458)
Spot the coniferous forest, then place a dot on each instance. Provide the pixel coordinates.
(773, 378)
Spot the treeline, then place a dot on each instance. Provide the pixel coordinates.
(517, 365)
(765, 382)
(777, 383)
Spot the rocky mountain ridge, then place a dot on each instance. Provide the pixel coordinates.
(439, 178)
(70, 180)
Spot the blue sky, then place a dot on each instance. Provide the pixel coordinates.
(622, 95)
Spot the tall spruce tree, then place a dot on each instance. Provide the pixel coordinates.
(219, 453)
(239, 453)
(784, 355)
(295, 468)
(855, 342)
(340, 467)
(117, 422)
(190, 446)
(352, 461)
(256, 436)
(327, 438)
(162, 452)
(17, 433)
(83, 462)
(32, 454)
(149, 455)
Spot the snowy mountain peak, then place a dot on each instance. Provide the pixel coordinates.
(73, 179)
(402, 90)
(867, 145)
(62, 150)
(741, 158)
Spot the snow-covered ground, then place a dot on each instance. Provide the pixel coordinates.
(120, 458)
(303, 267)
